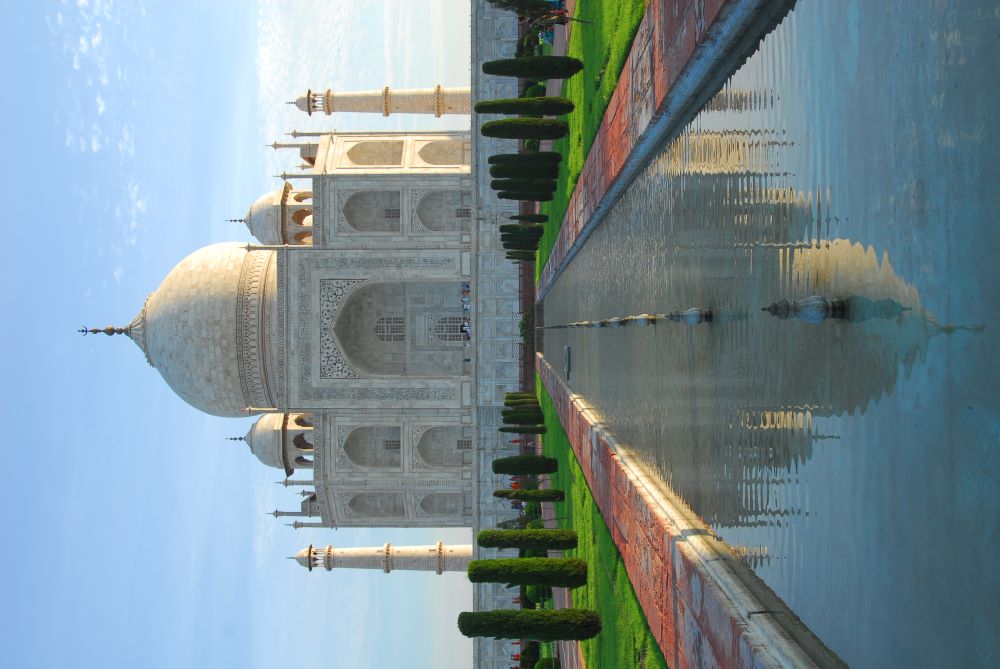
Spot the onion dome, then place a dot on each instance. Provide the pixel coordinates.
(207, 329)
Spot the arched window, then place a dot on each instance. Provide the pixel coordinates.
(302, 443)
(390, 328)
(448, 328)
(445, 210)
(443, 504)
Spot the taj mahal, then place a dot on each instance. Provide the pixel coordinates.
(372, 326)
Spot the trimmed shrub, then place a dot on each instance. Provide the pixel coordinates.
(534, 67)
(527, 401)
(525, 464)
(548, 663)
(525, 128)
(523, 429)
(530, 653)
(557, 572)
(534, 91)
(552, 106)
(539, 624)
(524, 185)
(528, 197)
(522, 7)
(517, 228)
(537, 158)
(522, 256)
(520, 395)
(531, 495)
(530, 218)
(529, 171)
(522, 418)
(545, 540)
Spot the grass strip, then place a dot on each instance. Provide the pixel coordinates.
(626, 640)
(603, 45)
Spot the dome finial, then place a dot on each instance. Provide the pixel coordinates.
(110, 330)
(236, 220)
(236, 438)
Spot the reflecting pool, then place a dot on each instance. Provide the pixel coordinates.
(849, 447)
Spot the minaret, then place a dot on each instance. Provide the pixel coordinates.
(437, 558)
(437, 101)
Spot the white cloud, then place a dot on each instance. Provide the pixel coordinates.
(99, 100)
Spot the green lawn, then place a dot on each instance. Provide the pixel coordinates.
(625, 640)
(603, 45)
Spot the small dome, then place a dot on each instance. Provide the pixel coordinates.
(264, 218)
(304, 558)
(266, 440)
(204, 329)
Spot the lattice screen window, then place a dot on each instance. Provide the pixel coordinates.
(392, 214)
(448, 328)
(391, 444)
(390, 328)
(464, 444)
(463, 212)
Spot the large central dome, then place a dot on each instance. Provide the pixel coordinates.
(205, 329)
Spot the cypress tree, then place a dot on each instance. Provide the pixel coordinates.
(512, 415)
(525, 128)
(535, 539)
(524, 429)
(530, 218)
(516, 228)
(533, 158)
(534, 67)
(543, 106)
(530, 653)
(531, 495)
(539, 624)
(526, 185)
(525, 464)
(529, 171)
(555, 572)
(522, 256)
(528, 197)
(548, 663)
(519, 394)
(526, 401)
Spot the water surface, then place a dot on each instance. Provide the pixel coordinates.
(855, 460)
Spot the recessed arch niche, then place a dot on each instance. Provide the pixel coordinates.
(445, 210)
(374, 211)
(374, 447)
(443, 152)
(443, 447)
(443, 504)
(378, 504)
(376, 152)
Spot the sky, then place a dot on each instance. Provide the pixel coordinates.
(137, 533)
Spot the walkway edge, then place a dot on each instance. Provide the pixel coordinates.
(704, 606)
(679, 67)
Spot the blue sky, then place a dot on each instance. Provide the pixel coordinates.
(136, 533)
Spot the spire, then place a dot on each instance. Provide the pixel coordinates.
(236, 220)
(110, 330)
(236, 438)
